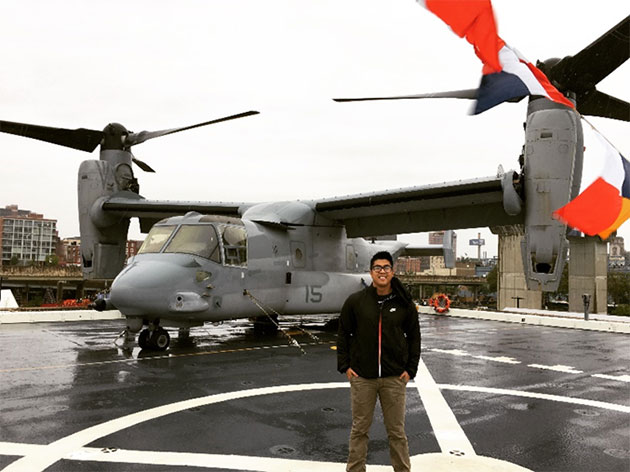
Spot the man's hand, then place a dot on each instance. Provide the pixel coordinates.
(351, 373)
(404, 376)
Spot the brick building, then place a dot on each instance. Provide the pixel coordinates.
(72, 250)
(412, 265)
(427, 265)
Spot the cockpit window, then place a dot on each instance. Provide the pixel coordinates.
(234, 245)
(155, 239)
(199, 240)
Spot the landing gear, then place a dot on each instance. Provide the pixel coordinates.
(160, 339)
(143, 339)
(154, 337)
(126, 341)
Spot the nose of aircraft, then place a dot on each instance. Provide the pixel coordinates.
(156, 288)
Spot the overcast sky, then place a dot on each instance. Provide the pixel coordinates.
(155, 64)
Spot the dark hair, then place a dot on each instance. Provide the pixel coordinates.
(382, 255)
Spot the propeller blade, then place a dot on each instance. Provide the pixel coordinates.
(82, 139)
(137, 138)
(596, 61)
(597, 103)
(470, 94)
(143, 165)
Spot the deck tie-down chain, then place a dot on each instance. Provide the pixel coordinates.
(292, 340)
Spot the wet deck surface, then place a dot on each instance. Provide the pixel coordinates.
(545, 399)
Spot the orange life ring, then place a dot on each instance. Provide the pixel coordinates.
(441, 303)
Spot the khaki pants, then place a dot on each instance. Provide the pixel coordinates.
(391, 394)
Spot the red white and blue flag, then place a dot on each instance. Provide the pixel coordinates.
(517, 79)
(603, 204)
(507, 75)
(604, 200)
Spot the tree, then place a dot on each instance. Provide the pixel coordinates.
(563, 287)
(619, 287)
(52, 260)
(491, 281)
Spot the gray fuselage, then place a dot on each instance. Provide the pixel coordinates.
(197, 268)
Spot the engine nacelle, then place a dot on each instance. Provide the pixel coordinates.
(552, 170)
(103, 236)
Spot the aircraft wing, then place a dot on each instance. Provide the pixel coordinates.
(127, 204)
(452, 205)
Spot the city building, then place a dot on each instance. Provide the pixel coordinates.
(427, 265)
(616, 253)
(411, 265)
(72, 250)
(132, 248)
(436, 263)
(26, 237)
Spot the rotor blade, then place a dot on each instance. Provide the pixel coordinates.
(470, 94)
(597, 103)
(596, 61)
(143, 165)
(82, 139)
(137, 138)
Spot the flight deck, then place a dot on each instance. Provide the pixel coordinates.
(489, 396)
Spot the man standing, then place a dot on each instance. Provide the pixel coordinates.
(378, 348)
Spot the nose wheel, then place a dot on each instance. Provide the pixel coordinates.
(156, 339)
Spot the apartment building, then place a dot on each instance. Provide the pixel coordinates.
(26, 236)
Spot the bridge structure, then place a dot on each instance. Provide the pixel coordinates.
(51, 284)
(423, 286)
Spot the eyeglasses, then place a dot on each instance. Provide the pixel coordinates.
(378, 268)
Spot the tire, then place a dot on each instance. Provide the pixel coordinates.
(160, 339)
(143, 339)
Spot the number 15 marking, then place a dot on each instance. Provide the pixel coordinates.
(313, 294)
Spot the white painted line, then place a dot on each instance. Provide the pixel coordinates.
(461, 353)
(39, 457)
(429, 462)
(569, 314)
(620, 378)
(448, 432)
(540, 396)
(553, 321)
(503, 359)
(59, 449)
(434, 462)
(455, 352)
(220, 461)
(19, 449)
(567, 369)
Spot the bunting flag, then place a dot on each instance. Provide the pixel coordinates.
(507, 75)
(603, 204)
(474, 20)
(517, 79)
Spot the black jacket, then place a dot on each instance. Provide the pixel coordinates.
(358, 336)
